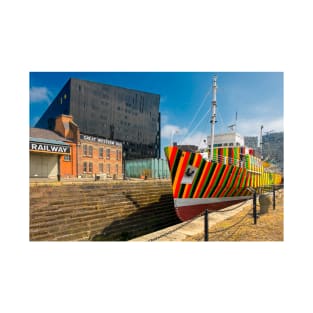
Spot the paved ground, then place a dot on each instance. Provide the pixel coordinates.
(194, 228)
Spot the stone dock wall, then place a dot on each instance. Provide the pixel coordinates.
(109, 211)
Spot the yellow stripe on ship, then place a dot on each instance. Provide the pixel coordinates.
(180, 168)
(202, 179)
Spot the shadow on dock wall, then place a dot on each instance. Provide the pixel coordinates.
(145, 220)
(99, 211)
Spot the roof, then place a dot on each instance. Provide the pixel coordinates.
(46, 134)
(49, 141)
(113, 86)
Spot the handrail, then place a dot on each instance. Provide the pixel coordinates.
(255, 164)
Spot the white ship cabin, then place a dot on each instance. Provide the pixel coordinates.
(226, 140)
(229, 140)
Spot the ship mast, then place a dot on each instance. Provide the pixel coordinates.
(213, 118)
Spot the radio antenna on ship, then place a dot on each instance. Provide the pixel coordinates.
(232, 127)
(213, 118)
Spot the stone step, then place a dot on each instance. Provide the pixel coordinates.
(43, 190)
(93, 225)
(106, 217)
(87, 209)
(82, 211)
(139, 201)
(58, 197)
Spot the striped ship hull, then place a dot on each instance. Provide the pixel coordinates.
(199, 184)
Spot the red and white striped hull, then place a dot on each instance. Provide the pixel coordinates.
(189, 208)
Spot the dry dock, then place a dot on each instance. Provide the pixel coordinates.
(185, 230)
(269, 225)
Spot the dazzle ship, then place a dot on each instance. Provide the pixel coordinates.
(218, 177)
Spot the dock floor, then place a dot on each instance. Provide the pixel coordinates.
(195, 227)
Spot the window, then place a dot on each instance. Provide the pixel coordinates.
(108, 169)
(108, 154)
(90, 151)
(100, 153)
(90, 167)
(84, 150)
(100, 167)
(85, 167)
(116, 169)
(117, 155)
(67, 157)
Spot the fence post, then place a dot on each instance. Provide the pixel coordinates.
(254, 207)
(274, 202)
(206, 225)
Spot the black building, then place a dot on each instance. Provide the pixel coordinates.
(129, 116)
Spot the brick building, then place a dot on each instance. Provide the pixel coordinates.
(98, 155)
(66, 153)
(51, 154)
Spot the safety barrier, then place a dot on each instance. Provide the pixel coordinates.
(255, 192)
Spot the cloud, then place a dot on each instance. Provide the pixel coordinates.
(164, 118)
(182, 136)
(168, 131)
(252, 127)
(246, 127)
(40, 94)
(196, 139)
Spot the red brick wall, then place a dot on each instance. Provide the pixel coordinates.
(95, 164)
(65, 126)
(69, 168)
(111, 165)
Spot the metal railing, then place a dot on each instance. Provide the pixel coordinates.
(236, 162)
(228, 160)
(254, 194)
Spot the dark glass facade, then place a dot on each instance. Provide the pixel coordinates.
(129, 116)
